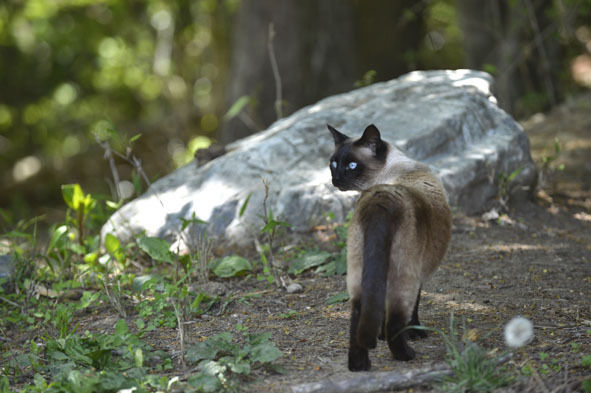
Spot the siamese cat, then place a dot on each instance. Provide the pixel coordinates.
(397, 237)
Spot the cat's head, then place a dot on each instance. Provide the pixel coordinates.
(356, 163)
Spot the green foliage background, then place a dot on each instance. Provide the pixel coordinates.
(73, 69)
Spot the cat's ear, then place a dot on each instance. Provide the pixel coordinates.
(338, 136)
(372, 139)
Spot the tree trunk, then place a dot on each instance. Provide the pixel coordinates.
(312, 47)
(511, 41)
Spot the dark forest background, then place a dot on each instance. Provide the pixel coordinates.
(183, 74)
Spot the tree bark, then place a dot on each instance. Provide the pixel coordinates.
(312, 48)
(321, 49)
(511, 40)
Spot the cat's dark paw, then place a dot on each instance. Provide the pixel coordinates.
(415, 334)
(359, 360)
(405, 355)
(401, 350)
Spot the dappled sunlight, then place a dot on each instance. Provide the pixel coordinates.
(450, 302)
(210, 194)
(515, 247)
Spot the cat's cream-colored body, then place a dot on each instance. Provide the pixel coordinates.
(419, 244)
(396, 239)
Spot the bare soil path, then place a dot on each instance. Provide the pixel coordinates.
(534, 261)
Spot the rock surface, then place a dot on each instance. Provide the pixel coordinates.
(7, 266)
(447, 119)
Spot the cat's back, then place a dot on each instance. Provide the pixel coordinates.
(419, 200)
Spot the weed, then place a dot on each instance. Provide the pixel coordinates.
(504, 186)
(269, 231)
(474, 370)
(548, 167)
(220, 359)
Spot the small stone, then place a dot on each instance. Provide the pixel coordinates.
(212, 288)
(294, 288)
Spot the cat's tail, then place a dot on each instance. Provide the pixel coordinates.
(381, 217)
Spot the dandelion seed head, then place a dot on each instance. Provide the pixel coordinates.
(518, 332)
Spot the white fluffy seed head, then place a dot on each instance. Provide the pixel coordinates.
(518, 332)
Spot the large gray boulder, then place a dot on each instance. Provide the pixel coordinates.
(447, 119)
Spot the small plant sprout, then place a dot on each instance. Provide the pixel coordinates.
(518, 332)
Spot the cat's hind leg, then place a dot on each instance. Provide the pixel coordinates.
(414, 334)
(358, 356)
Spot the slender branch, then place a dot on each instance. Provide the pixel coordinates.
(276, 76)
(109, 157)
(374, 382)
(9, 301)
(381, 381)
(539, 41)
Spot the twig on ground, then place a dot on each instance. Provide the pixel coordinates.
(381, 381)
(9, 301)
(374, 382)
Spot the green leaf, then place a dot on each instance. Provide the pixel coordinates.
(87, 299)
(121, 328)
(157, 248)
(57, 234)
(244, 205)
(265, 352)
(4, 384)
(208, 380)
(237, 107)
(308, 260)
(239, 366)
(586, 361)
(72, 194)
(201, 351)
(139, 357)
(514, 174)
(112, 244)
(231, 266)
(139, 282)
(134, 138)
(340, 297)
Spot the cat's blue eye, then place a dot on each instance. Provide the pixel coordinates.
(352, 165)
(333, 164)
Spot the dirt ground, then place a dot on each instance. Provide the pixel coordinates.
(535, 261)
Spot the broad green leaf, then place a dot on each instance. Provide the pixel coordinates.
(75, 198)
(222, 341)
(201, 351)
(308, 260)
(113, 246)
(231, 266)
(72, 194)
(340, 297)
(208, 379)
(87, 299)
(121, 328)
(139, 282)
(265, 352)
(239, 366)
(157, 248)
